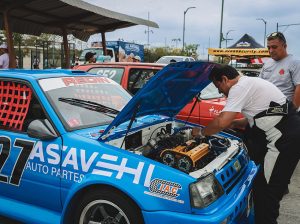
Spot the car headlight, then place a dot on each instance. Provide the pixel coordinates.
(205, 191)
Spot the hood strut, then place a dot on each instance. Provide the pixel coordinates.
(131, 122)
(191, 111)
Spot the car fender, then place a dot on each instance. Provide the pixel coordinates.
(148, 194)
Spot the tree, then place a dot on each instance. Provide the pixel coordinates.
(191, 50)
(153, 54)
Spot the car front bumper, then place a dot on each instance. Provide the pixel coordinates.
(237, 210)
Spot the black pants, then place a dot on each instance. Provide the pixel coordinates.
(268, 194)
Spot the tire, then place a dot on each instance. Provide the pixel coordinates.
(107, 206)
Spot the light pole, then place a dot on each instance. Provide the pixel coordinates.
(221, 34)
(176, 40)
(287, 25)
(148, 31)
(184, 26)
(265, 22)
(226, 39)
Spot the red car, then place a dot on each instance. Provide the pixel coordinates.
(132, 76)
(209, 105)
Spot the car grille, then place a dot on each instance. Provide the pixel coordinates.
(231, 174)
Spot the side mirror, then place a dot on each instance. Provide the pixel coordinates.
(41, 129)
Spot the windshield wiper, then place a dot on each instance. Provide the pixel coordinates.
(90, 106)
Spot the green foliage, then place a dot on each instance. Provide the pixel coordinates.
(153, 54)
(191, 50)
(2, 36)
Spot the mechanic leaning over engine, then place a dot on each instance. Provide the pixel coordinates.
(275, 131)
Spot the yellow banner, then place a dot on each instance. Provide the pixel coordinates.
(238, 52)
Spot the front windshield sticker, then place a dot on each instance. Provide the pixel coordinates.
(73, 81)
(56, 83)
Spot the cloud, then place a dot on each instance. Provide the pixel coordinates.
(203, 22)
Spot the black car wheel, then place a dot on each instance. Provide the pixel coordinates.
(107, 207)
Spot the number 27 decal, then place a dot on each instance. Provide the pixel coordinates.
(17, 172)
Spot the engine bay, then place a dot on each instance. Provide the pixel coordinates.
(172, 144)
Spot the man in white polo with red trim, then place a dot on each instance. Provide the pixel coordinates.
(283, 70)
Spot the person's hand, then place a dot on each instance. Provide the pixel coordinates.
(197, 131)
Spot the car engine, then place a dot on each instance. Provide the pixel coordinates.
(176, 147)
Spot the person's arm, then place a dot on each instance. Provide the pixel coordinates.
(240, 123)
(294, 71)
(296, 99)
(221, 122)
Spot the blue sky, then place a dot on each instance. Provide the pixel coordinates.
(203, 22)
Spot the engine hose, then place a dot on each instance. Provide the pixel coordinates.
(218, 145)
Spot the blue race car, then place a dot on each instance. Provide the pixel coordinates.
(76, 148)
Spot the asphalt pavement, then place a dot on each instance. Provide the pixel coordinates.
(289, 210)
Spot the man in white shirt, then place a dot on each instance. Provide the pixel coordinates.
(275, 128)
(4, 59)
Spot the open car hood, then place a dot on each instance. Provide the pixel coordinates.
(166, 93)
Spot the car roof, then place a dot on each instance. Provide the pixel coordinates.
(120, 64)
(249, 69)
(27, 74)
(175, 56)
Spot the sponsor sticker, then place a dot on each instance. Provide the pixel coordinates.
(62, 82)
(165, 189)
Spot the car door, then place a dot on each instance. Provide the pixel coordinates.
(26, 163)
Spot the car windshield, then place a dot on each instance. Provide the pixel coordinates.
(166, 60)
(84, 101)
(210, 92)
